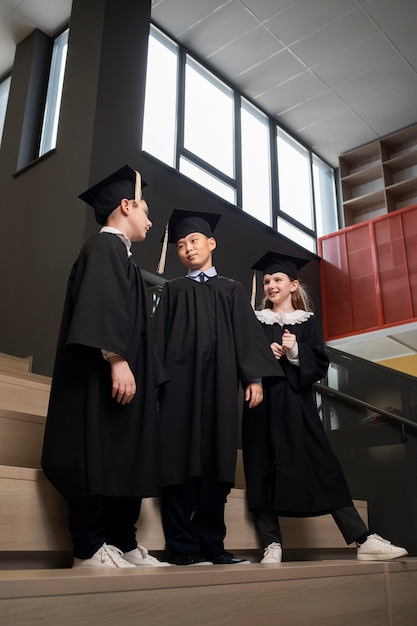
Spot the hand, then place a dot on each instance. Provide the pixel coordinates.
(277, 350)
(123, 382)
(254, 394)
(288, 341)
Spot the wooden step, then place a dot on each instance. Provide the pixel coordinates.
(33, 517)
(21, 438)
(24, 392)
(335, 593)
(33, 513)
(10, 363)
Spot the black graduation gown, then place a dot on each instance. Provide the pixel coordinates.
(208, 339)
(289, 464)
(92, 444)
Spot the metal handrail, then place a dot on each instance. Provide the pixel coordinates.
(365, 405)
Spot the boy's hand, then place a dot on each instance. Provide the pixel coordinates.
(254, 394)
(123, 382)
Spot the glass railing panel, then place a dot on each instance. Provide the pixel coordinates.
(373, 384)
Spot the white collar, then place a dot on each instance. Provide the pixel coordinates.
(122, 236)
(267, 316)
(210, 272)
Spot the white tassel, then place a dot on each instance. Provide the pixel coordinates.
(253, 295)
(161, 265)
(138, 187)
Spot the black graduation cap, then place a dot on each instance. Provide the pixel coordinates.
(273, 262)
(106, 195)
(182, 223)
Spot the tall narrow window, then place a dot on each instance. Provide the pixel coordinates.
(4, 97)
(294, 176)
(54, 94)
(256, 181)
(324, 197)
(209, 118)
(160, 116)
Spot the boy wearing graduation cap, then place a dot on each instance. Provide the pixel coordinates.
(208, 340)
(290, 467)
(99, 445)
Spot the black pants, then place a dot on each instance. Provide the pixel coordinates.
(94, 520)
(347, 519)
(193, 516)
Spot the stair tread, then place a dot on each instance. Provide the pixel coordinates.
(14, 583)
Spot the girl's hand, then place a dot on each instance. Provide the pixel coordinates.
(288, 341)
(277, 350)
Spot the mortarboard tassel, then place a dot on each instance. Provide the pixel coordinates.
(138, 187)
(253, 295)
(161, 265)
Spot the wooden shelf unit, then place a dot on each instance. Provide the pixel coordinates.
(379, 177)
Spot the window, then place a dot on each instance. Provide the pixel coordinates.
(256, 178)
(296, 218)
(204, 178)
(324, 197)
(208, 118)
(4, 97)
(294, 176)
(54, 94)
(159, 129)
(195, 122)
(296, 235)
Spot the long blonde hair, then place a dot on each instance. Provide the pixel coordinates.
(300, 298)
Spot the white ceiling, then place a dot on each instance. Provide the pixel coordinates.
(336, 73)
(381, 345)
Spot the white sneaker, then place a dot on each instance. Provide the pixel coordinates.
(141, 557)
(272, 553)
(375, 548)
(106, 556)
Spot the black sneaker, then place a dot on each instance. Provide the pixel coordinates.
(189, 558)
(227, 558)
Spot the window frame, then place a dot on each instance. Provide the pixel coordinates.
(53, 99)
(4, 101)
(235, 181)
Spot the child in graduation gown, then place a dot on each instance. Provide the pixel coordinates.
(99, 448)
(208, 340)
(290, 467)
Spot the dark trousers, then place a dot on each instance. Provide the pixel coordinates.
(193, 516)
(94, 520)
(347, 520)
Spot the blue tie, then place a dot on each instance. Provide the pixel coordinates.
(202, 277)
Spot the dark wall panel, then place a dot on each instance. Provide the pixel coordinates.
(44, 223)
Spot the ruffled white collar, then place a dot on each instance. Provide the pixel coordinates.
(267, 316)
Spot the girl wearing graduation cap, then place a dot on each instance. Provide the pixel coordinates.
(290, 467)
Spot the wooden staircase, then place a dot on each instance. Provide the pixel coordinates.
(320, 582)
